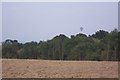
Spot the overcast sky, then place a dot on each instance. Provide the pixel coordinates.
(0, 22)
(37, 21)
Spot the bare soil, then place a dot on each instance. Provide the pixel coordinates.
(22, 68)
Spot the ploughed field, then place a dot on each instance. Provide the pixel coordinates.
(29, 68)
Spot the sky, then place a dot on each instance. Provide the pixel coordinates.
(35, 21)
(0, 22)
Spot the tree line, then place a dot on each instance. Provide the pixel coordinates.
(100, 46)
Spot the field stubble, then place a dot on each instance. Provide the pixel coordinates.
(22, 68)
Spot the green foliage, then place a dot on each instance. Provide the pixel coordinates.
(100, 34)
(100, 46)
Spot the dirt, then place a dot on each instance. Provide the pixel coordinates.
(22, 68)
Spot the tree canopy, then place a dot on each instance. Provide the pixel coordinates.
(102, 45)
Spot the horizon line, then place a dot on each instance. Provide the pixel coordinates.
(57, 35)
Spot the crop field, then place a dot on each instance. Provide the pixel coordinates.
(29, 68)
